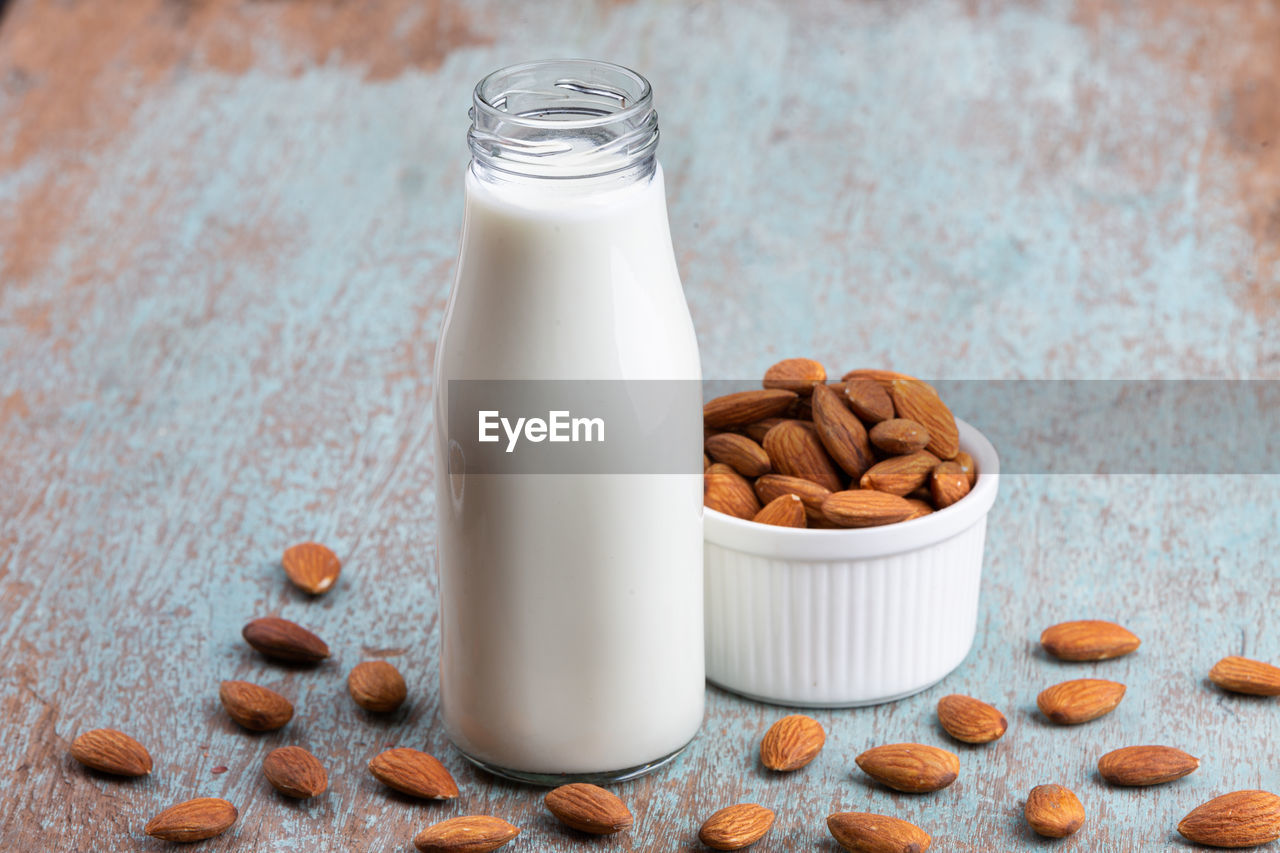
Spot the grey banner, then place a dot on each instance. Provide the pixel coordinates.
(1037, 426)
(575, 427)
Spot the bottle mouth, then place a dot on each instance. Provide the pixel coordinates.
(564, 118)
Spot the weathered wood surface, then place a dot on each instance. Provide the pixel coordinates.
(226, 237)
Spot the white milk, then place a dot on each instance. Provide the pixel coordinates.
(571, 605)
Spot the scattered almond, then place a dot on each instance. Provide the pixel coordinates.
(744, 407)
(868, 400)
(1238, 819)
(798, 452)
(1080, 701)
(970, 720)
(865, 508)
(257, 708)
(471, 834)
(111, 751)
(899, 436)
(284, 640)
(862, 832)
(1241, 675)
(795, 374)
(770, 487)
(311, 567)
(736, 827)
(913, 768)
(414, 773)
(725, 490)
(792, 742)
(918, 401)
(294, 772)
(947, 484)
(193, 820)
(588, 808)
(377, 686)
(1087, 640)
(1146, 765)
(782, 511)
(739, 453)
(1054, 811)
(899, 475)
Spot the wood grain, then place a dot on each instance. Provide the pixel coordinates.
(226, 236)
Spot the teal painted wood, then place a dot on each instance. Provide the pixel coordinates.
(226, 237)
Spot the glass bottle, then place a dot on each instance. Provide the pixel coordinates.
(570, 600)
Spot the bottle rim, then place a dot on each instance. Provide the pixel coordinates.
(490, 94)
(563, 119)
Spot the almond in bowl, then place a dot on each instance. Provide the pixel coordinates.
(862, 585)
(872, 434)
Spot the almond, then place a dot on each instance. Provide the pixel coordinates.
(868, 400)
(770, 487)
(798, 452)
(1080, 701)
(782, 511)
(899, 475)
(311, 567)
(1054, 811)
(1238, 819)
(947, 484)
(965, 461)
(918, 401)
(739, 453)
(883, 378)
(862, 832)
(414, 773)
(588, 808)
(795, 374)
(1088, 639)
(1241, 675)
(471, 834)
(193, 820)
(841, 433)
(866, 508)
(736, 827)
(725, 490)
(257, 708)
(792, 742)
(294, 772)
(899, 436)
(757, 430)
(377, 686)
(743, 407)
(970, 720)
(111, 751)
(706, 463)
(1146, 765)
(913, 768)
(284, 640)
(919, 508)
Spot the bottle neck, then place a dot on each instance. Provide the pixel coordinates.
(564, 125)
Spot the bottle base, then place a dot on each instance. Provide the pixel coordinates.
(551, 780)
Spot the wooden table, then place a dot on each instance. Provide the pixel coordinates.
(226, 237)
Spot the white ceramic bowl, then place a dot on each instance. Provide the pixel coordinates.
(831, 618)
